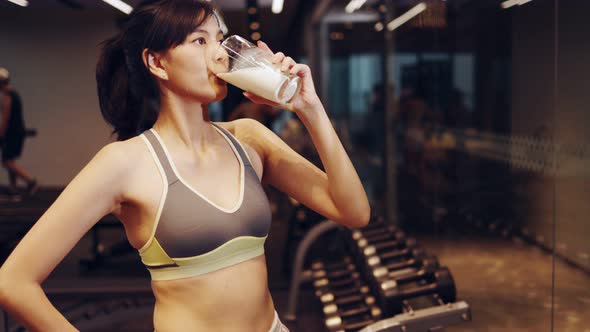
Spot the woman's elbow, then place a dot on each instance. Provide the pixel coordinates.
(5, 289)
(10, 287)
(359, 219)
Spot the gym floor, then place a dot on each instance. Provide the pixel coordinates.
(507, 283)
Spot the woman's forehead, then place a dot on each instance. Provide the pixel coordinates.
(210, 25)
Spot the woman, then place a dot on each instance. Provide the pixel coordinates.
(187, 190)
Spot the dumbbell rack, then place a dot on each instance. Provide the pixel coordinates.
(430, 319)
(345, 295)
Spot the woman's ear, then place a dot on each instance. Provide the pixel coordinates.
(152, 61)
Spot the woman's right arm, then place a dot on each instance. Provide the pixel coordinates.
(95, 192)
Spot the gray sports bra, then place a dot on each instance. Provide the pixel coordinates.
(194, 236)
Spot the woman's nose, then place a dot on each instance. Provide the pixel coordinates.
(218, 60)
(221, 55)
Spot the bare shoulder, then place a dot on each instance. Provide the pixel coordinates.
(247, 131)
(121, 154)
(120, 161)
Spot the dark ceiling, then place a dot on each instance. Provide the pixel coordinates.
(285, 31)
(274, 28)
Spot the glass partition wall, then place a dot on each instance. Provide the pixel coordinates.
(466, 120)
(571, 152)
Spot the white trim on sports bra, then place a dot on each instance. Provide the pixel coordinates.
(162, 198)
(241, 180)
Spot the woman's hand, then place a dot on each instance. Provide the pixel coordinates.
(305, 99)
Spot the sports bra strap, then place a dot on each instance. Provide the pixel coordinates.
(236, 144)
(170, 175)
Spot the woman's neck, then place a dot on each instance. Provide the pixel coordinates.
(185, 123)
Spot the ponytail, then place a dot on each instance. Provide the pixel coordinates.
(129, 107)
(128, 93)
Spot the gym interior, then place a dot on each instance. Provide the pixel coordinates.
(463, 118)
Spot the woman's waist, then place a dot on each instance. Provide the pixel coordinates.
(242, 315)
(228, 310)
(238, 293)
(216, 296)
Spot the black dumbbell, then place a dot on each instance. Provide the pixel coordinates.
(411, 249)
(415, 260)
(359, 310)
(345, 271)
(393, 295)
(375, 231)
(377, 249)
(428, 267)
(319, 265)
(328, 295)
(338, 283)
(380, 236)
(350, 302)
(383, 278)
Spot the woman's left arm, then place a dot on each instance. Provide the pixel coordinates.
(337, 194)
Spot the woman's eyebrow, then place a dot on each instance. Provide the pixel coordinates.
(207, 32)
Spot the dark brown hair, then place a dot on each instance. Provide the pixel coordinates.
(127, 92)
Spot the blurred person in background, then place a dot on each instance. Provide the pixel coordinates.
(12, 135)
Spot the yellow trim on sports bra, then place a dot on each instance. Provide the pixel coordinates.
(232, 252)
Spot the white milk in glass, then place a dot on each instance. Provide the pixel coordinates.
(261, 81)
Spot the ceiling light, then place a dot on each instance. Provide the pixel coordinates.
(120, 5)
(406, 16)
(22, 3)
(354, 5)
(509, 3)
(277, 6)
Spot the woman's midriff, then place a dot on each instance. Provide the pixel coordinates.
(235, 298)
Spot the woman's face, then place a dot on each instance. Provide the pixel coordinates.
(189, 66)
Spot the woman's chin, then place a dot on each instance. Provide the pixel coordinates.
(221, 93)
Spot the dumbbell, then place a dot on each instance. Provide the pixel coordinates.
(377, 234)
(410, 247)
(382, 277)
(393, 295)
(414, 260)
(338, 283)
(375, 231)
(358, 241)
(379, 237)
(332, 271)
(346, 270)
(349, 305)
(319, 265)
(328, 295)
(356, 309)
(382, 248)
(429, 267)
